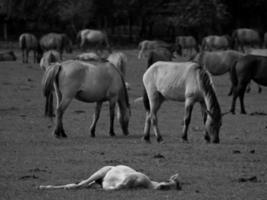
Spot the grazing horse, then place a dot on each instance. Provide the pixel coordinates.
(7, 56)
(28, 42)
(187, 43)
(181, 81)
(56, 41)
(244, 38)
(218, 62)
(247, 68)
(215, 42)
(96, 39)
(51, 56)
(88, 82)
(148, 45)
(119, 177)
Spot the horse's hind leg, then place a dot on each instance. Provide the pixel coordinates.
(157, 100)
(241, 98)
(112, 115)
(27, 55)
(187, 118)
(95, 118)
(59, 130)
(147, 127)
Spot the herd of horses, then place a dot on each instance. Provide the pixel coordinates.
(99, 76)
(96, 76)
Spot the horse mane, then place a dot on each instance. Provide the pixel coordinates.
(209, 91)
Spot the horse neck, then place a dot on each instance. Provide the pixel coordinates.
(210, 98)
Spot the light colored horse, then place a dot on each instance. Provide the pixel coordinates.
(88, 82)
(188, 44)
(119, 177)
(245, 38)
(89, 56)
(56, 41)
(148, 45)
(49, 57)
(215, 42)
(96, 39)
(183, 81)
(28, 42)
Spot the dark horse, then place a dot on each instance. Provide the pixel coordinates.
(28, 42)
(56, 41)
(247, 68)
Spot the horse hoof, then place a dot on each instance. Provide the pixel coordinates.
(112, 134)
(243, 112)
(146, 139)
(159, 139)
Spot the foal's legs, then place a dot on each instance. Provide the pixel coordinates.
(27, 55)
(95, 118)
(187, 118)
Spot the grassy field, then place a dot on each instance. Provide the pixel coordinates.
(29, 154)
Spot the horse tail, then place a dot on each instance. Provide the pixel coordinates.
(49, 78)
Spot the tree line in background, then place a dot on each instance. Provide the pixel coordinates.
(131, 20)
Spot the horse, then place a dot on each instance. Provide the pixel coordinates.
(148, 45)
(94, 38)
(8, 56)
(56, 41)
(247, 68)
(181, 81)
(28, 42)
(51, 56)
(88, 56)
(87, 82)
(215, 42)
(218, 62)
(265, 40)
(119, 177)
(188, 43)
(245, 38)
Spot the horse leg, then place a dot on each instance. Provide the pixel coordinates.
(27, 56)
(157, 99)
(241, 98)
(59, 130)
(23, 55)
(187, 118)
(95, 118)
(259, 89)
(235, 95)
(112, 115)
(204, 115)
(147, 127)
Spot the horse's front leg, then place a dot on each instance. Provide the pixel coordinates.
(95, 118)
(187, 118)
(204, 115)
(112, 115)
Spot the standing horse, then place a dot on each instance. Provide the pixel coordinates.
(248, 68)
(56, 41)
(184, 81)
(244, 38)
(148, 45)
(49, 57)
(218, 62)
(215, 42)
(28, 42)
(88, 82)
(188, 44)
(96, 39)
(119, 177)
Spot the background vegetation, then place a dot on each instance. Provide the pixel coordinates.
(131, 20)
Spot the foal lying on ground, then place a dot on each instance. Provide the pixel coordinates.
(119, 177)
